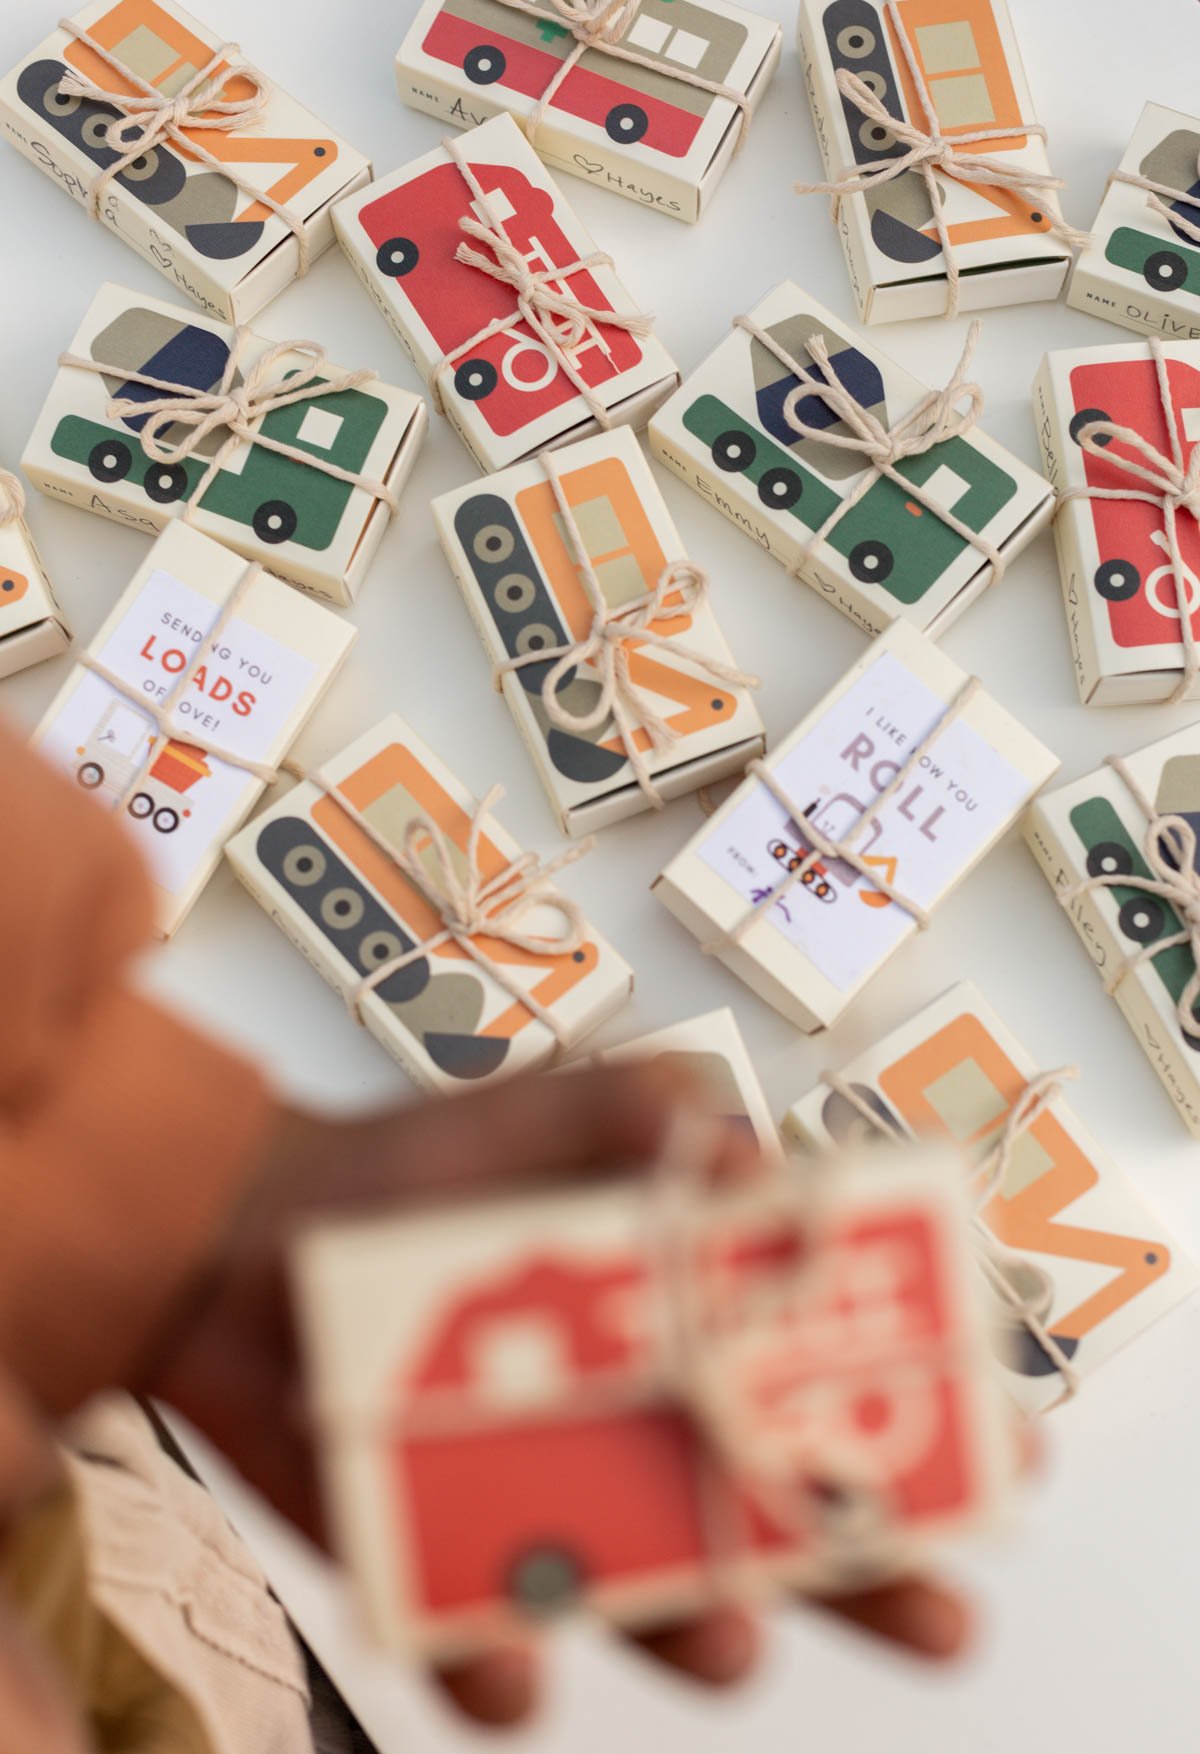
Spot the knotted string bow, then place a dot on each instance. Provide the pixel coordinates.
(934, 419)
(1172, 484)
(930, 150)
(1189, 228)
(12, 499)
(680, 590)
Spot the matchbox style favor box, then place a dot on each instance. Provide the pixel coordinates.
(251, 684)
(711, 1050)
(1094, 844)
(518, 570)
(657, 122)
(508, 387)
(32, 626)
(726, 432)
(326, 862)
(519, 1405)
(315, 519)
(806, 929)
(968, 61)
(1070, 1235)
(1142, 266)
(229, 235)
(1121, 596)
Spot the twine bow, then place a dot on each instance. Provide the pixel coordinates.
(934, 419)
(149, 118)
(12, 499)
(1169, 848)
(1172, 484)
(615, 633)
(929, 151)
(1189, 228)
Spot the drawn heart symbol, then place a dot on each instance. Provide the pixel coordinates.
(589, 165)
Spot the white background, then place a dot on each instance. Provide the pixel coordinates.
(1090, 1608)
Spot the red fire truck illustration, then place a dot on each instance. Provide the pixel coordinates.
(1134, 575)
(542, 1385)
(512, 375)
(110, 759)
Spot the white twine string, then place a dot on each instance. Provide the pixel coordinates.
(614, 634)
(930, 150)
(1188, 227)
(1172, 485)
(12, 499)
(151, 119)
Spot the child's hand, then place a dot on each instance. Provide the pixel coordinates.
(230, 1360)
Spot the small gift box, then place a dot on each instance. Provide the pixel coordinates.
(1074, 1260)
(599, 631)
(447, 942)
(835, 849)
(937, 169)
(650, 99)
(515, 320)
(169, 137)
(645, 1396)
(818, 446)
(1120, 849)
(1141, 265)
(181, 710)
(156, 414)
(32, 625)
(711, 1050)
(1117, 426)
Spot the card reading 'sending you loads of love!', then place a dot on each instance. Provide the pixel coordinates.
(837, 848)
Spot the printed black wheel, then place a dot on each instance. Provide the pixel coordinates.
(1085, 417)
(856, 42)
(304, 865)
(877, 137)
(871, 562)
(1118, 580)
(275, 521)
(90, 775)
(397, 257)
(1108, 858)
(1141, 918)
(1164, 270)
(166, 482)
(111, 460)
(484, 64)
(474, 379)
(493, 543)
(143, 169)
(166, 820)
(514, 593)
(545, 1580)
(342, 907)
(780, 488)
(734, 451)
(538, 636)
(56, 102)
(626, 123)
(141, 805)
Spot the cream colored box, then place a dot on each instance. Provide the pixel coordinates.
(712, 1050)
(1095, 827)
(814, 950)
(505, 393)
(448, 1018)
(725, 433)
(971, 64)
(218, 240)
(1113, 555)
(1139, 270)
(639, 127)
(302, 521)
(504, 538)
(250, 696)
(1072, 1239)
(32, 626)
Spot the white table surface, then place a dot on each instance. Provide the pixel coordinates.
(1089, 1607)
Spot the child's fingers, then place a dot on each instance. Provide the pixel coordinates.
(719, 1647)
(922, 1616)
(500, 1688)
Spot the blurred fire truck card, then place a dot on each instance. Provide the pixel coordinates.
(1140, 269)
(306, 525)
(505, 542)
(32, 626)
(251, 697)
(1095, 827)
(639, 127)
(349, 908)
(726, 433)
(588, 1398)
(223, 244)
(814, 950)
(1122, 600)
(1079, 1246)
(970, 64)
(711, 1050)
(507, 396)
